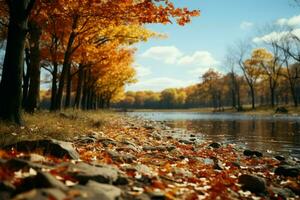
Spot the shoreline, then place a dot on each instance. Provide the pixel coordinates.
(257, 112)
(144, 159)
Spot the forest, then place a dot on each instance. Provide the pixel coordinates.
(265, 76)
(84, 46)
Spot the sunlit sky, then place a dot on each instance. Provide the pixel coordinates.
(187, 52)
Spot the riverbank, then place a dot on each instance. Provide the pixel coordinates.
(259, 110)
(110, 156)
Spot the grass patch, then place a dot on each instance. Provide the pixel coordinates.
(63, 125)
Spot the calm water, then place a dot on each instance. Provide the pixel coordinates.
(273, 134)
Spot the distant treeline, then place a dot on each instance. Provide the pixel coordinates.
(217, 91)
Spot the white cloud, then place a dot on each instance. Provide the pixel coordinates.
(142, 71)
(275, 36)
(246, 25)
(293, 21)
(198, 72)
(168, 54)
(160, 83)
(199, 59)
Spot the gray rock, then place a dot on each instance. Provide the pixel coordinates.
(248, 152)
(218, 165)
(107, 141)
(41, 180)
(128, 158)
(18, 163)
(282, 192)
(96, 191)
(53, 147)
(41, 194)
(33, 157)
(280, 158)
(86, 139)
(149, 127)
(159, 148)
(215, 145)
(6, 190)
(186, 141)
(253, 183)
(286, 170)
(84, 172)
(157, 195)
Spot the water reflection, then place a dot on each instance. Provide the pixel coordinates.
(265, 133)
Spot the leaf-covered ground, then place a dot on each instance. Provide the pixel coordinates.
(156, 162)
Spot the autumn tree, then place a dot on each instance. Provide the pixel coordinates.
(11, 81)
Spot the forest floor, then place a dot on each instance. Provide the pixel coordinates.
(259, 110)
(104, 155)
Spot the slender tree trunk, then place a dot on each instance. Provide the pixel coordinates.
(26, 77)
(11, 82)
(238, 96)
(54, 86)
(272, 95)
(84, 92)
(66, 65)
(79, 87)
(34, 87)
(252, 97)
(293, 92)
(68, 88)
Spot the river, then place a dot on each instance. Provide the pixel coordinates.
(270, 134)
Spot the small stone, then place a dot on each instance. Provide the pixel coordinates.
(128, 158)
(6, 190)
(86, 139)
(41, 180)
(107, 141)
(253, 183)
(217, 164)
(186, 141)
(248, 153)
(41, 194)
(159, 148)
(257, 154)
(36, 158)
(96, 191)
(282, 192)
(148, 127)
(236, 164)
(286, 170)
(157, 195)
(215, 145)
(280, 158)
(84, 172)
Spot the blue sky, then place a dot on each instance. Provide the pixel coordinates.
(187, 52)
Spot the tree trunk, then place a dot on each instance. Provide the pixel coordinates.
(35, 69)
(294, 97)
(79, 87)
(54, 86)
(66, 65)
(252, 97)
(26, 77)
(84, 92)
(11, 82)
(272, 95)
(68, 88)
